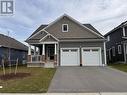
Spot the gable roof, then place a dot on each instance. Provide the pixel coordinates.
(119, 26)
(89, 27)
(9, 42)
(48, 38)
(39, 35)
(65, 15)
(38, 29)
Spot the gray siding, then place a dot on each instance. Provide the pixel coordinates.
(14, 54)
(115, 40)
(74, 30)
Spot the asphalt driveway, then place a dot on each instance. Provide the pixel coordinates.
(88, 79)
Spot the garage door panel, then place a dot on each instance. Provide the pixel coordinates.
(69, 57)
(90, 57)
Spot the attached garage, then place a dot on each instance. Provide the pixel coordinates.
(69, 57)
(91, 57)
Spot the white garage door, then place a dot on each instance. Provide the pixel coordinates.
(69, 57)
(91, 57)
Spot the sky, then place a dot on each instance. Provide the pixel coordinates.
(28, 15)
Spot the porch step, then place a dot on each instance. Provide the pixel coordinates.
(49, 65)
(35, 65)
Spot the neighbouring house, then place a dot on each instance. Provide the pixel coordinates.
(67, 42)
(11, 49)
(116, 44)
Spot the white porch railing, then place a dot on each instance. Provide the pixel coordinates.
(36, 58)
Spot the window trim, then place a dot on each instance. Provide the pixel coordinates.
(63, 28)
(113, 51)
(124, 31)
(108, 38)
(119, 49)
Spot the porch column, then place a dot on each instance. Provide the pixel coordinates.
(29, 54)
(55, 49)
(29, 50)
(38, 51)
(43, 49)
(55, 55)
(43, 52)
(34, 50)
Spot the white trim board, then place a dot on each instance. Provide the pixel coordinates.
(105, 58)
(47, 36)
(52, 35)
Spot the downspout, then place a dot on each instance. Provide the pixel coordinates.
(124, 48)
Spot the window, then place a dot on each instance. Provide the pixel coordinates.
(94, 49)
(113, 51)
(108, 38)
(73, 50)
(119, 49)
(86, 50)
(64, 27)
(124, 31)
(65, 50)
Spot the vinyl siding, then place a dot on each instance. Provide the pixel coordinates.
(115, 40)
(14, 54)
(74, 30)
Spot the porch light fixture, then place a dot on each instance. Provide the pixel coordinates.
(1, 86)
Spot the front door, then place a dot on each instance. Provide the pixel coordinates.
(50, 53)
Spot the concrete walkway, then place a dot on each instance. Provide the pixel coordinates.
(88, 79)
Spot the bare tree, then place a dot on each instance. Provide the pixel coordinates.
(16, 66)
(3, 67)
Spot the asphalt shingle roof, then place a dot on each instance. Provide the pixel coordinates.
(119, 26)
(92, 28)
(39, 28)
(9, 42)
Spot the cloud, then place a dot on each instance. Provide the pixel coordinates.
(29, 14)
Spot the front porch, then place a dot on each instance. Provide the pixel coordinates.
(43, 55)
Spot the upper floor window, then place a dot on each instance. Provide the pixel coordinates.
(108, 38)
(124, 31)
(119, 49)
(113, 51)
(64, 27)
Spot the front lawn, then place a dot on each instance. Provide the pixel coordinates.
(37, 81)
(122, 67)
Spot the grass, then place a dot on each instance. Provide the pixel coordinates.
(122, 67)
(36, 83)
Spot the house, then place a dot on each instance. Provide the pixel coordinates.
(12, 49)
(116, 44)
(67, 42)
